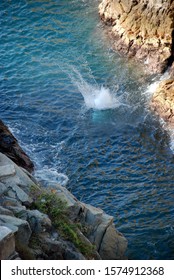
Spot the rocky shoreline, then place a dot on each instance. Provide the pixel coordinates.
(144, 30)
(48, 223)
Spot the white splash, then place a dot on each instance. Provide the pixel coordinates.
(52, 176)
(100, 99)
(95, 96)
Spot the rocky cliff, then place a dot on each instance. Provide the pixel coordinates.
(143, 29)
(49, 223)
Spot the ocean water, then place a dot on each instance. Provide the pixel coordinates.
(80, 110)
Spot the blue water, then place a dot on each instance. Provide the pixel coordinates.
(57, 70)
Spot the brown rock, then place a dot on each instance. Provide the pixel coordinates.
(163, 101)
(10, 147)
(143, 29)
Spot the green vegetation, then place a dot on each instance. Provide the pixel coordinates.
(49, 203)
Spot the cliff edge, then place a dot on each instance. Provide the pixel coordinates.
(145, 30)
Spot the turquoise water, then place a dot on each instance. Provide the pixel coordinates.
(80, 111)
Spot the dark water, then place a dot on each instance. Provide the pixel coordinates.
(53, 54)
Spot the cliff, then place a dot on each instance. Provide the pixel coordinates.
(143, 29)
(49, 223)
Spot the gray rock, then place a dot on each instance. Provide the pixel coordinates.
(3, 188)
(7, 243)
(7, 170)
(97, 222)
(4, 211)
(113, 245)
(59, 249)
(6, 202)
(99, 227)
(16, 210)
(20, 178)
(39, 222)
(20, 227)
(17, 192)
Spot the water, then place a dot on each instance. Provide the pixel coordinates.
(81, 112)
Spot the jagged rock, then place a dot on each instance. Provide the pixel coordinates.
(18, 182)
(20, 227)
(16, 192)
(38, 221)
(10, 147)
(5, 211)
(45, 247)
(7, 243)
(143, 29)
(163, 101)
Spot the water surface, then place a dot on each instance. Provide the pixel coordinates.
(80, 111)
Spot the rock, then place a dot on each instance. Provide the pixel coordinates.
(3, 188)
(7, 170)
(163, 101)
(17, 182)
(18, 186)
(16, 192)
(6, 202)
(49, 249)
(101, 231)
(97, 222)
(142, 29)
(20, 227)
(113, 245)
(7, 243)
(4, 211)
(38, 221)
(10, 147)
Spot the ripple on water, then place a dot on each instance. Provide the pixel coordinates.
(117, 158)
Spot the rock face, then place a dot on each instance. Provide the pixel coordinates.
(10, 147)
(34, 233)
(7, 243)
(142, 28)
(163, 101)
